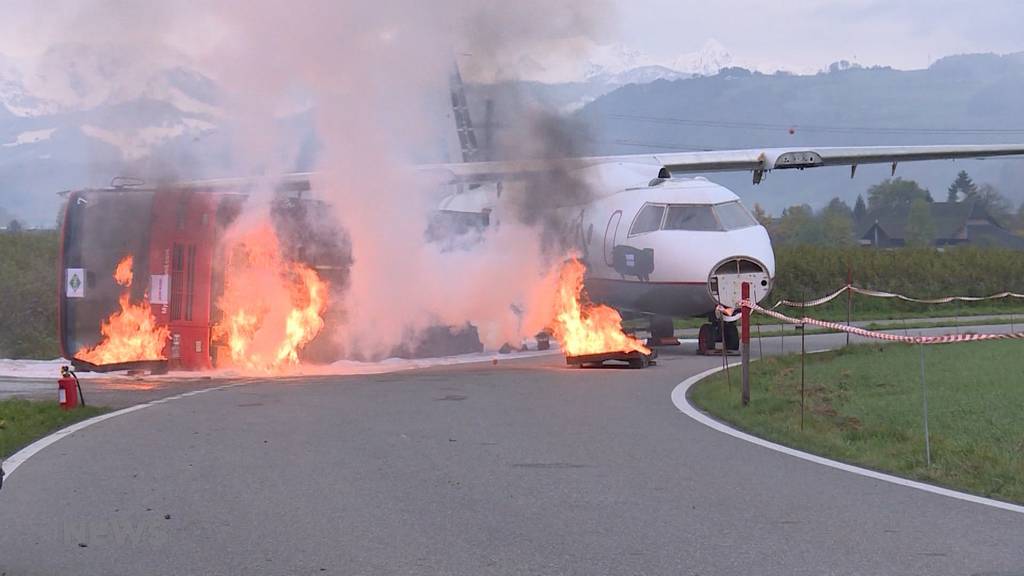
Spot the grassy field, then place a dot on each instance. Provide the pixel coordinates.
(863, 405)
(22, 421)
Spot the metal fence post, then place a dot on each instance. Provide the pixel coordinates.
(803, 354)
(760, 345)
(745, 343)
(725, 361)
(924, 407)
(782, 338)
(957, 317)
(849, 299)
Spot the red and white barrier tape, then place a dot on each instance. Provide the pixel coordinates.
(946, 300)
(812, 303)
(944, 339)
(881, 294)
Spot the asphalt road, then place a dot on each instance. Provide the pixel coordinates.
(526, 467)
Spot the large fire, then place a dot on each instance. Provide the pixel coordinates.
(582, 327)
(130, 334)
(271, 308)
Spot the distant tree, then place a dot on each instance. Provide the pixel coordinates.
(1020, 217)
(60, 214)
(962, 188)
(997, 205)
(920, 231)
(836, 222)
(836, 229)
(860, 209)
(14, 226)
(798, 225)
(836, 206)
(761, 216)
(895, 193)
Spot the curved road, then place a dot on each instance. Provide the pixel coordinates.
(526, 467)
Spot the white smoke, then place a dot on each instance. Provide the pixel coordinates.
(375, 75)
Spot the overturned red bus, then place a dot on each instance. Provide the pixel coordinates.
(167, 238)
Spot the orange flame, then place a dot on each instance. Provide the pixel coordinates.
(582, 327)
(130, 334)
(271, 308)
(123, 272)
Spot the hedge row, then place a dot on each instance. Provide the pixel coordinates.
(28, 282)
(806, 272)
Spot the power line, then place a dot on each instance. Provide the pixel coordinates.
(668, 120)
(663, 146)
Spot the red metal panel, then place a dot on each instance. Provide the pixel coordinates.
(181, 255)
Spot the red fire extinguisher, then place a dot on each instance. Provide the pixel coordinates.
(69, 390)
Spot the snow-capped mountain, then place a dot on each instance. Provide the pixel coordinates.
(619, 64)
(707, 61)
(81, 114)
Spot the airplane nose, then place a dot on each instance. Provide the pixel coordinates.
(727, 277)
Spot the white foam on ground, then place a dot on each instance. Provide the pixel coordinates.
(50, 369)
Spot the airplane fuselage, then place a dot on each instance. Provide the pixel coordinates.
(654, 245)
(667, 270)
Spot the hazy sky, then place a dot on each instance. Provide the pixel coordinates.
(801, 36)
(813, 33)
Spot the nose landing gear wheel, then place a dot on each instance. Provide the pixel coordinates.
(709, 335)
(705, 339)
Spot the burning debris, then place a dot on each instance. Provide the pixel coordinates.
(130, 334)
(587, 332)
(271, 308)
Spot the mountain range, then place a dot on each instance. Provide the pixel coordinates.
(92, 118)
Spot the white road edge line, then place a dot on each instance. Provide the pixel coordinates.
(682, 402)
(18, 458)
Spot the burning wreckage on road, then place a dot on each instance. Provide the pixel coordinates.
(161, 278)
(173, 278)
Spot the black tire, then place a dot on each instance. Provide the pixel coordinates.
(705, 339)
(732, 336)
(662, 327)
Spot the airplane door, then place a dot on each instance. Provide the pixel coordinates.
(610, 232)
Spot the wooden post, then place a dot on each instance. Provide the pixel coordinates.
(745, 342)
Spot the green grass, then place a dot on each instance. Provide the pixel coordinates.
(863, 404)
(22, 421)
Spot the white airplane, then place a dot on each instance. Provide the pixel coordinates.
(655, 242)
(659, 244)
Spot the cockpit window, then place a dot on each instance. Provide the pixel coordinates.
(697, 218)
(648, 220)
(692, 217)
(733, 216)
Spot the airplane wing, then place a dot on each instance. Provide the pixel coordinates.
(758, 161)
